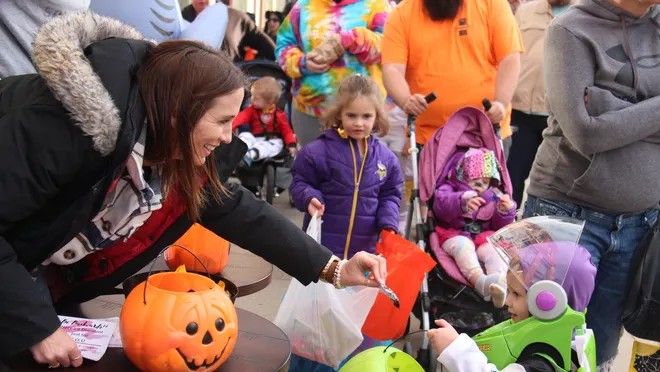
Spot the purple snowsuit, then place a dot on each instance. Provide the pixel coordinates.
(324, 170)
(448, 210)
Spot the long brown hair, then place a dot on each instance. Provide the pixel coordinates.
(349, 89)
(178, 82)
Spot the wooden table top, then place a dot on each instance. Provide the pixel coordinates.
(248, 271)
(261, 345)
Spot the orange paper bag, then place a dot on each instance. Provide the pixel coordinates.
(211, 252)
(406, 266)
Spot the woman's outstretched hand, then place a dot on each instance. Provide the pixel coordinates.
(353, 271)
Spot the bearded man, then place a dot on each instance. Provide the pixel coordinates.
(463, 50)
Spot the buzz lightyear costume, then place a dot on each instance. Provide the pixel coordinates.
(558, 275)
(543, 254)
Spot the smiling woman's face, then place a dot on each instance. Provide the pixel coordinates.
(214, 127)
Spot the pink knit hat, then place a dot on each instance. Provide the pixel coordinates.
(478, 163)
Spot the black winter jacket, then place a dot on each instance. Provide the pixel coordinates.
(64, 136)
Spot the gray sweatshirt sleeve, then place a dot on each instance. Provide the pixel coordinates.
(569, 70)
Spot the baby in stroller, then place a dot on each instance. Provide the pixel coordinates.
(262, 125)
(465, 194)
(469, 206)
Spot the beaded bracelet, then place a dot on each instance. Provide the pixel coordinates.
(324, 273)
(337, 277)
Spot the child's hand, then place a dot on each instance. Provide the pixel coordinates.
(315, 207)
(293, 151)
(442, 337)
(475, 203)
(384, 231)
(505, 204)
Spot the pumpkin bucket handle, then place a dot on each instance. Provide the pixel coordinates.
(151, 268)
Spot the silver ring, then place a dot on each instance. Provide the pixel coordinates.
(54, 365)
(76, 358)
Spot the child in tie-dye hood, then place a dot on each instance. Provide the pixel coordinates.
(469, 206)
(320, 43)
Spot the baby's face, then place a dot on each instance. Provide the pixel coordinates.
(479, 184)
(259, 101)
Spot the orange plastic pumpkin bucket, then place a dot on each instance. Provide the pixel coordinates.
(211, 250)
(178, 321)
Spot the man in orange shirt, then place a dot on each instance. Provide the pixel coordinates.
(462, 50)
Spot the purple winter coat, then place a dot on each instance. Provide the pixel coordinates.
(324, 170)
(448, 209)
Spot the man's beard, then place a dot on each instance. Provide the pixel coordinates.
(442, 9)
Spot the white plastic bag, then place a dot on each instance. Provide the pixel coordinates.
(323, 323)
(314, 228)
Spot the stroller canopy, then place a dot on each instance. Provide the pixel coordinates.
(467, 127)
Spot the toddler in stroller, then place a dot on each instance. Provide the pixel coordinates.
(452, 296)
(262, 126)
(468, 207)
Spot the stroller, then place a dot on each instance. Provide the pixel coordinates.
(262, 177)
(447, 294)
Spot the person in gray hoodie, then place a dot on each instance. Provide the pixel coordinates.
(19, 22)
(600, 156)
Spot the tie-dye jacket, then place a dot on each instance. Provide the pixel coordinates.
(359, 23)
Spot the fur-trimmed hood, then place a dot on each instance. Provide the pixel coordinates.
(58, 55)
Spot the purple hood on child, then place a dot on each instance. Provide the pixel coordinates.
(324, 170)
(566, 263)
(448, 206)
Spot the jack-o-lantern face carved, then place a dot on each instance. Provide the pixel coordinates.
(206, 330)
(189, 326)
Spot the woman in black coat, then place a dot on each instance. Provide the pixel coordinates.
(117, 136)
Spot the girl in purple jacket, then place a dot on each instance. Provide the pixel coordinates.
(351, 179)
(347, 175)
(469, 206)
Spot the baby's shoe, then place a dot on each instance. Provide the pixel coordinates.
(484, 283)
(497, 293)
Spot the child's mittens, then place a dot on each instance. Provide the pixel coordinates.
(328, 51)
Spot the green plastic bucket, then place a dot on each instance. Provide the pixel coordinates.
(377, 359)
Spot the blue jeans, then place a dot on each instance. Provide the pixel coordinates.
(612, 241)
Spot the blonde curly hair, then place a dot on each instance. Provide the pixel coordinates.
(349, 89)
